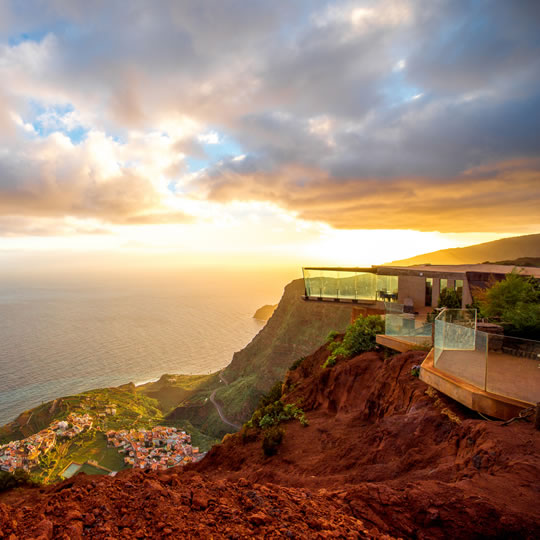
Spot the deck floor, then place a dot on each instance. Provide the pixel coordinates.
(505, 375)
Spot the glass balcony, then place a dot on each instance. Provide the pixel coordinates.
(498, 364)
(349, 284)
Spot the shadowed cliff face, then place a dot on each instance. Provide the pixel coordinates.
(296, 329)
(382, 455)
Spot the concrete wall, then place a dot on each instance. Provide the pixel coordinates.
(412, 287)
(436, 291)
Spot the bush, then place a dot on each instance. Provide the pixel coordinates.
(332, 335)
(271, 396)
(273, 437)
(515, 303)
(449, 298)
(297, 363)
(359, 337)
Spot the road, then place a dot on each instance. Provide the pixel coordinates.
(218, 407)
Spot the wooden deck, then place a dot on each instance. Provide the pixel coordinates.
(468, 394)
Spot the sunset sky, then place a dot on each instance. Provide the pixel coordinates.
(283, 132)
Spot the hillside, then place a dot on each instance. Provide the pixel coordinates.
(382, 455)
(296, 329)
(498, 250)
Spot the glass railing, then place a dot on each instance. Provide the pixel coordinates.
(350, 284)
(513, 368)
(495, 363)
(406, 325)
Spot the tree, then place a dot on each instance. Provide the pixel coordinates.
(515, 304)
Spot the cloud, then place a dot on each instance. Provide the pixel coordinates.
(375, 113)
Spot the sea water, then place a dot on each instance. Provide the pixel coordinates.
(62, 336)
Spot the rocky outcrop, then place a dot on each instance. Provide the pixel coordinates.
(176, 505)
(265, 312)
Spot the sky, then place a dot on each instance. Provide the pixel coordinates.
(227, 132)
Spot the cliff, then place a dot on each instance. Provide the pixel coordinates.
(296, 329)
(382, 455)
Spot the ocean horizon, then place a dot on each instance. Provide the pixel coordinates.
(61, 337)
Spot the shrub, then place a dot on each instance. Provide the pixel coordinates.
(359, 337)
(330, 362)
(297, 363)
(271, 396)
(449, 298)
(515, 303)
(332, 335)
(273, 437)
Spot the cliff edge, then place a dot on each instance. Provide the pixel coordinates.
(382, 456)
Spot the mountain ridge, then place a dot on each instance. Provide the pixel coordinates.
(504, 249)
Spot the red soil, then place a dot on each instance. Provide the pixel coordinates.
(379, 454)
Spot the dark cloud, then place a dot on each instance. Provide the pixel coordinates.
(358, 113)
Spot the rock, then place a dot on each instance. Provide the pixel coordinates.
(200, 500)
(265, 312)
(258, 519)
(75, 531)
(44, 530)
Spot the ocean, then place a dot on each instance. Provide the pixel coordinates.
(63, 335)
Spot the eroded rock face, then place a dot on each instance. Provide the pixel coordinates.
(382, 455)
(411, 462)
(178, 504)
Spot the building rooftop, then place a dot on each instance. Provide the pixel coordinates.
(463, 268)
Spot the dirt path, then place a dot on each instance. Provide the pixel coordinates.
(218, 407)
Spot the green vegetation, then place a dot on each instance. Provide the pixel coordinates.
(268, 416)
(19, 478)
(332, 335)
(297, 363)
(171, 390)
(359, 337)
(272, 438)
(449, 298)
(515, 304)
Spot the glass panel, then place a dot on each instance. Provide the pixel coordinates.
(513, 368)
(347, 285)
(460, 350)
(387, 288)
(365, 286)
(406, 325)
(444, 284)
(329, 284)
(312, 282)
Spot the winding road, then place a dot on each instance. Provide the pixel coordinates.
(218, 407)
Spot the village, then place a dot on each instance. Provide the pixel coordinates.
(158, 448)
(25, 453)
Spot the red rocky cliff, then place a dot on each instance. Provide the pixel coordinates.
(382, 455)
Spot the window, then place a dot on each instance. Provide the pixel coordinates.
(459, 288)
(444, 284)
(429, 291)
